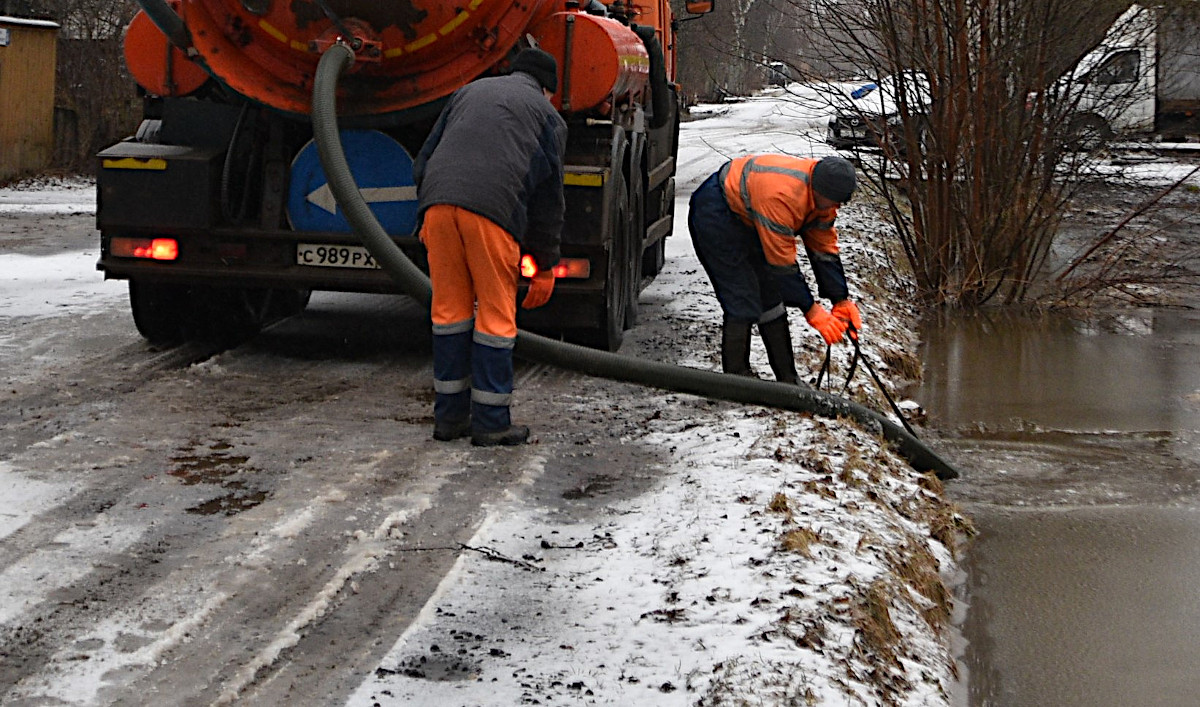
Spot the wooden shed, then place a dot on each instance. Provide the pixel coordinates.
(27, 61)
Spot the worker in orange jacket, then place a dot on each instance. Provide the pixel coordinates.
(747, 221)
(489, 188)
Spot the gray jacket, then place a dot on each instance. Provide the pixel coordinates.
(496, 150)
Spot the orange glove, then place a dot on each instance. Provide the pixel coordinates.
(847, 311)
(830, 327)
(540, 287)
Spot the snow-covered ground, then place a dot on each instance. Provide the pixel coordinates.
(780, 559)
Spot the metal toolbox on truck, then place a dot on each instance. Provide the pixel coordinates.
(161, 187)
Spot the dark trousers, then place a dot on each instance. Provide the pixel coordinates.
(732, 256)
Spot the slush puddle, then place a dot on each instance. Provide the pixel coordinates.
(1078, 448)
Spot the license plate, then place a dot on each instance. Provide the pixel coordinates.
(334, 256)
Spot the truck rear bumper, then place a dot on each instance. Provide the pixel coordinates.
(270, 259)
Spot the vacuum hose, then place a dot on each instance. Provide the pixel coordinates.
(592, 362)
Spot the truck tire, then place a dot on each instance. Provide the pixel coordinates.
(169, 314)
(654, 257)
(611, 333)
(636, 218)
(232, 315)
(161, 312)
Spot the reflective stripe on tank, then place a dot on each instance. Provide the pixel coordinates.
(421, 43)
(580, 178)
(154, 163)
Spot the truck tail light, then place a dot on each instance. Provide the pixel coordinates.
(149, 248)
(574, 268)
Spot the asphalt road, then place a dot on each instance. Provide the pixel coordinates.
(273, 515)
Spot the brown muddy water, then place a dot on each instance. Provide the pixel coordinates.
(1078, 447)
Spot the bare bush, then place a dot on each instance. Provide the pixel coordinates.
(973, 173)
(986, 157)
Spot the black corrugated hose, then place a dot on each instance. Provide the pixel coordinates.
(708, 384)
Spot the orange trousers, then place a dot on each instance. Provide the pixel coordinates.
(473, 265)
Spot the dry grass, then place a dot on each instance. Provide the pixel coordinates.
(903, 364)
(779, 504)
(920, 570)
(950, 527)
(877, 634)
(799, 540)
(856, 469)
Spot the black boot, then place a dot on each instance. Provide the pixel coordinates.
(777, 338)
(735, 347)
(510, 436)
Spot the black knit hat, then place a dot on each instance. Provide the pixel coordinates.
(540, 65)
(833, 178)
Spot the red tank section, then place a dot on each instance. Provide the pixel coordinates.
(158, 67)
(597, 58)
(408, 53)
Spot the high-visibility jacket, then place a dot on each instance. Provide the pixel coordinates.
(773, 195)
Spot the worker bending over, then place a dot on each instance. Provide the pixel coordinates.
(747, 222)
(489, 187)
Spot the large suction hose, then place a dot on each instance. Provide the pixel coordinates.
(707, 384)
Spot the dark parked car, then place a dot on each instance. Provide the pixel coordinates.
(869, 115)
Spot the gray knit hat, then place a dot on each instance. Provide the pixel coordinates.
(833, 178)
(540, 65)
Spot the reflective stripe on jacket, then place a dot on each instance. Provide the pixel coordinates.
(771, 193)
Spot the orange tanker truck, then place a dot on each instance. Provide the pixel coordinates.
(218, 212)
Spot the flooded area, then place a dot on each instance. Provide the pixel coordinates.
(1081, 472)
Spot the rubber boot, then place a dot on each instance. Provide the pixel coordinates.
(735, 347)
(777, 338)
(492, 384)
(510, 436)
(452, 384)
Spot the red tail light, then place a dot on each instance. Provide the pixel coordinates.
(148, 248)
(573, 268)
(529, 266)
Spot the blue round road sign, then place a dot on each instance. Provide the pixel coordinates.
(381, 167)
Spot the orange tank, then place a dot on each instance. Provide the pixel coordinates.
(158, 67)
(601, 57)
(408, 53)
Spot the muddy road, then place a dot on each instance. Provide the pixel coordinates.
(281, 500)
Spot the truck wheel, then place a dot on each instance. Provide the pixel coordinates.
(161, 313)
(231, 315)
(655, 257)
(636, 230)
(168, 314)
(609, 335)
(616, 291)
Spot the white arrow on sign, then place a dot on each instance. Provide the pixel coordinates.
(322, 197)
